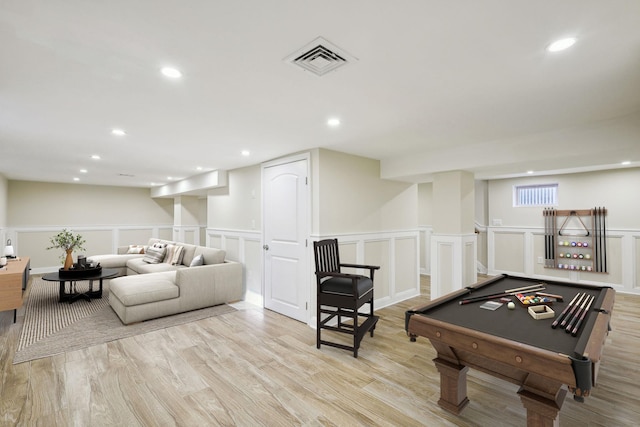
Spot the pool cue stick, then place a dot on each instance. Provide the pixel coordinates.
(574, 332)
(578, 314)
(554, 223)
(601, 243)
(573, 310)
(547, 237)
(553, 237)
(565, 311)
(600, 253)
(494, 296)
(524, 288)
(595, 238)
(600, 238)
(544, 294)
(604, 238)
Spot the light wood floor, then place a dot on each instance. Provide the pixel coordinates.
(254, 367)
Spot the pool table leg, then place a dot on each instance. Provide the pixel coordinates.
(453, 385)
(542, 412)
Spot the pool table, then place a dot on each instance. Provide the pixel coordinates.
(510, 344)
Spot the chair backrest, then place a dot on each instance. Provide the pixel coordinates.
(327, 256)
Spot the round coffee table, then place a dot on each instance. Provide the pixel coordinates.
(73, 293)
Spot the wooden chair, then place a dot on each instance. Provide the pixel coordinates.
(340, 295)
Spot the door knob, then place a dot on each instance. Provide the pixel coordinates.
(265, 247)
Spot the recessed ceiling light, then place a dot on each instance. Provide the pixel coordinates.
(561, 44)
(118, 132)
(198, 168)
(529, 172)
(170, 178)
(83, 171)
(626, 162)
(95, 157)
(171, 72)
(245, 152)
(333, 122)
(75, 178)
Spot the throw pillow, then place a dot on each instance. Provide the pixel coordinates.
(154, 255)
(199, 260)
(135, 249)
(174, 254)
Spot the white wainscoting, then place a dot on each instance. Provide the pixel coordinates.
(398, 252)
(426, 232)
(525, 246)
(33, 241)
(244, 247)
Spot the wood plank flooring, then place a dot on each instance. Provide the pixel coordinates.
(254, 367)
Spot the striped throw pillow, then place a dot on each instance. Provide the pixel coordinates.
(154, 255)
(174, 255)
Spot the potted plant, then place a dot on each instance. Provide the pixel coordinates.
(68, 242)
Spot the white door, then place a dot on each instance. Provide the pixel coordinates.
(285, 205)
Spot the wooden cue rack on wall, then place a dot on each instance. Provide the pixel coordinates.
(576, 240)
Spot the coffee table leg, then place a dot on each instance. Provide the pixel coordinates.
(62, 295)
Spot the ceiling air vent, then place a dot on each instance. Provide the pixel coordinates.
(320, 57)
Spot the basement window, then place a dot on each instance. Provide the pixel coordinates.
(535, 195)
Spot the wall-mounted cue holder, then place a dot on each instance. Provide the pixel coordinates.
(575, 239)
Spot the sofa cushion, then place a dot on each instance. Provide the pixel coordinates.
(113, 261)
(154, 255)
(211, 255)
(188, 253)
(135, 290)
(138, 266)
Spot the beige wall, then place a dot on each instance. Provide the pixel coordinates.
(425, 203)
(37, 204)
(518, 244)
(616, 190)
(4, 195)
(105, 216)
(237, 206)
(350, 197)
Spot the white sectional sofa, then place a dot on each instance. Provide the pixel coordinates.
(149, 288)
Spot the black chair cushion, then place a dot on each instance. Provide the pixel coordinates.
(344, 286)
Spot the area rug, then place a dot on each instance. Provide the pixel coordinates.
(52, 328)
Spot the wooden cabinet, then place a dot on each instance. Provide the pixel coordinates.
(13, 283)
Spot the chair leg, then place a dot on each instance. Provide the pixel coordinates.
(318, 326)
(371, 314)
(356, 342)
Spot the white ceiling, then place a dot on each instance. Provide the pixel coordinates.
(437, 85)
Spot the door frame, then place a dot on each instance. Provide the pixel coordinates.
(305, 286)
